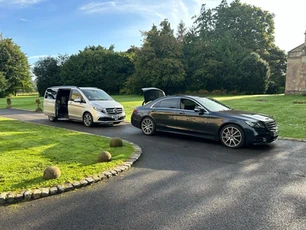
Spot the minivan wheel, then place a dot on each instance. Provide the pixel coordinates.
(87, 119)
(148, 126)
(51, 118)
(232, 136)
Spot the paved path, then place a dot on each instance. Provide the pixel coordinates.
(178, 183)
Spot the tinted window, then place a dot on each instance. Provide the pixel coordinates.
(188, 104)
(168, 103)
(50, 93)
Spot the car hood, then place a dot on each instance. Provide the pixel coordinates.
(247, 115)
(106, 104)
(152, 93)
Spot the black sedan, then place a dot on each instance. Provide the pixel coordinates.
(202, 117)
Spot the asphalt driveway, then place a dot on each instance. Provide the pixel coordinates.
(178, 183)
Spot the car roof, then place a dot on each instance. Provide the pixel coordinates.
(70, 87)
(180, 96)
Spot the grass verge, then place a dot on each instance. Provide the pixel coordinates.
(288, 110)
(27, 149)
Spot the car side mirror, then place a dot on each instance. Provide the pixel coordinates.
(199, 110)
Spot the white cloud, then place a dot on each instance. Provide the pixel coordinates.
(24, 20)
(21, 3)
(153, 11)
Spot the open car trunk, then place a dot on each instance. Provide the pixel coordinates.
(151, 94)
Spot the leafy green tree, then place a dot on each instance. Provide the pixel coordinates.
(47, 72)
(14, 68)
(158, 62)
(181, 32)
(255, 74)
(252, 27)
(2, 83)
(99, 67)
(225, 38)
(277, 60)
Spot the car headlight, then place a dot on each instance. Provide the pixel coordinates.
(103, 110)
(255, 124)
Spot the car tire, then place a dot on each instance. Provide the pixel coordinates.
(232, 136)
(148, 126)
(87, 119)
(52, 119)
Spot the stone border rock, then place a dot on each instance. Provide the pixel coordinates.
(292, 139)
(7, 198)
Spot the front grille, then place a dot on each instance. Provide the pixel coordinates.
(114, 110)
(271, 126)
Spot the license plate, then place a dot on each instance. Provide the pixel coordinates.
(115, 117)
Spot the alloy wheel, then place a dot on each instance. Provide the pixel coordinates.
(232, 136)
(148, 126)
(87, 119)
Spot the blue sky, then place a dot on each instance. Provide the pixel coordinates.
(51, 27)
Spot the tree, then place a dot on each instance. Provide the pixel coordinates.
(47, 72)
(252, 27)
(277, 60)
(99, 67)
(158, 62)
(181, 32)
(14, 68)
(224, 39)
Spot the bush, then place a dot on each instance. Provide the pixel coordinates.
(116, 142)
(104, 157)
(203, 91)
(52, 172)
(218, 92)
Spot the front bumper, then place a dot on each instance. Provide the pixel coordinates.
(259, 137)
(110, 120)
(106, 118)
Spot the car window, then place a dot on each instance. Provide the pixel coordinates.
(188, 104)
(76, 94)
(168, 103)
(96, 94)
(50, 93)
(212, 105)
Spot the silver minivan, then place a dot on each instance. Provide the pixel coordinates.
(88, 104)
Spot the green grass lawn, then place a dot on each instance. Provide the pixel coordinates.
(289, 114)
(288, 110)
(26, 149)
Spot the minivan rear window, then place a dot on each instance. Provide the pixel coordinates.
(51, 93)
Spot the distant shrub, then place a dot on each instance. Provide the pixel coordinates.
(203, 91)
(234, 92)
(188, 92)
(218, 92)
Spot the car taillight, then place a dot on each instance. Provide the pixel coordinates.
(135, 110)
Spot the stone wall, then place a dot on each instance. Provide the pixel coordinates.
(296, 71)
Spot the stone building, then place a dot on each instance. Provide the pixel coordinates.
(296, 70)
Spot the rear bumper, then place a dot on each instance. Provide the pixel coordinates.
(135, 120)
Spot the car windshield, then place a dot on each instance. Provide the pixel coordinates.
(212, 105)
(96, 95)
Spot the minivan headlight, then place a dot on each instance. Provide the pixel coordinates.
(255, 124)
(103, 110)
